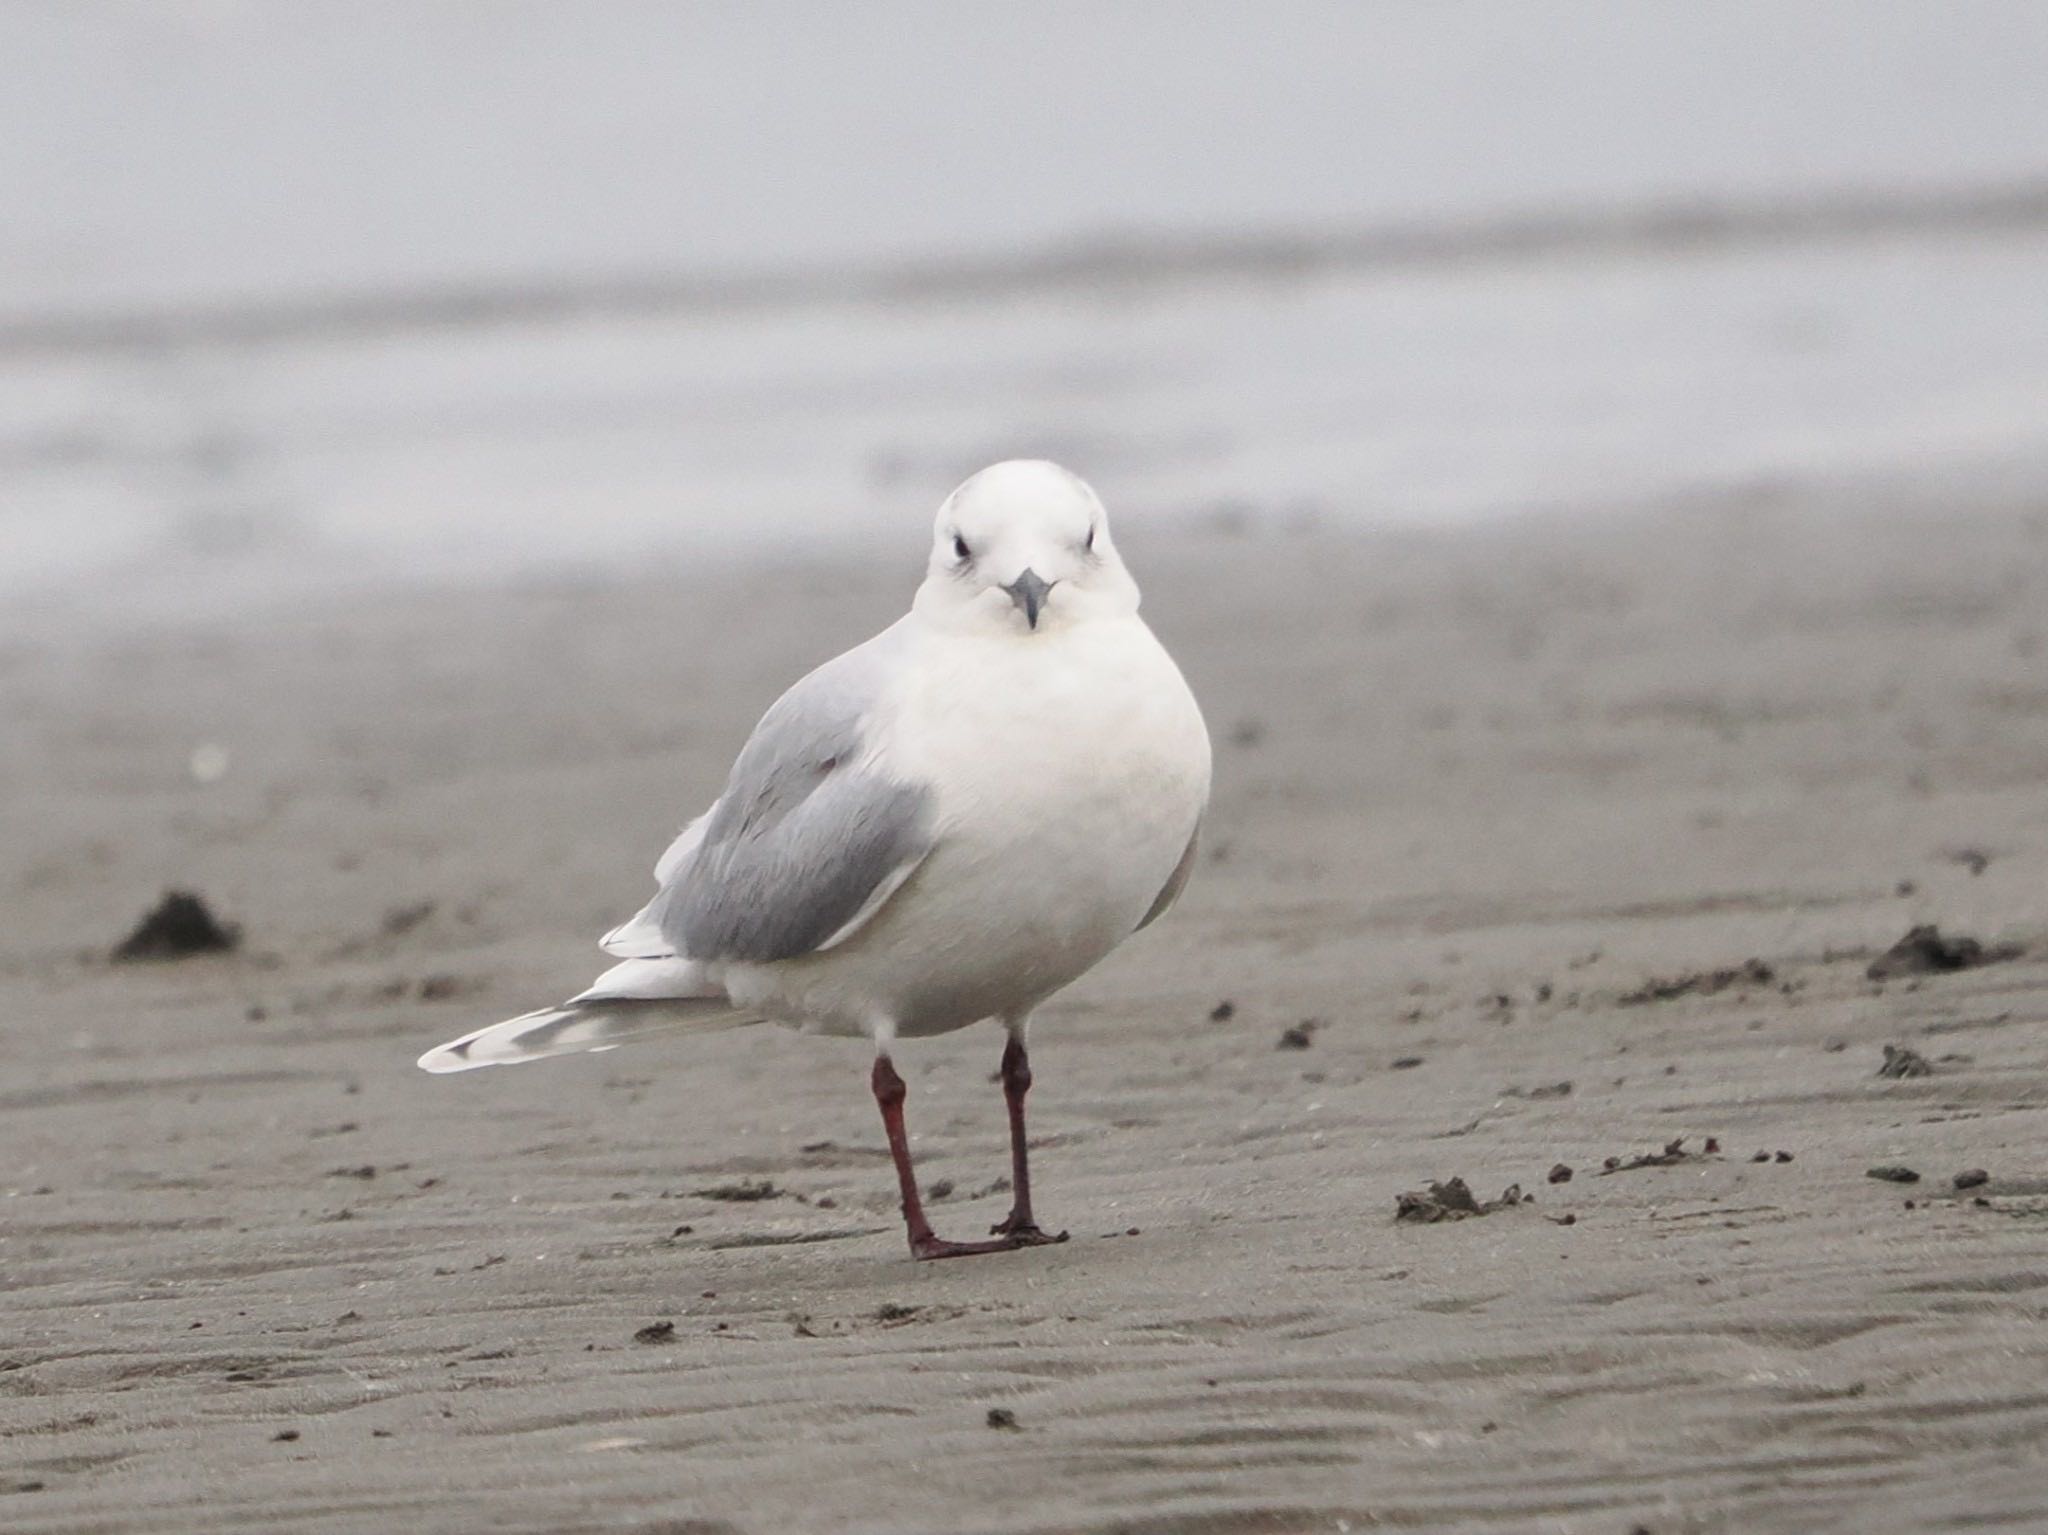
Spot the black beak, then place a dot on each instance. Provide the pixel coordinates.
(1028, 592)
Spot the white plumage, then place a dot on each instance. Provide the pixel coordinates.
(946, 824)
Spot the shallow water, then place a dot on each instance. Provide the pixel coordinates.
(291, 301)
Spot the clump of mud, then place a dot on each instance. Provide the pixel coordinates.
(181, 925)
(1926, 951)
(1452, 1200)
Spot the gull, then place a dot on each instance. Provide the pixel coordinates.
(946, 824)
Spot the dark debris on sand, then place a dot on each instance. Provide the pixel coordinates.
(1926, 951)
(1700, 983)
(1674, 1152)
(181, 925)
(1452, 1200)
(656, 1332)
(1893, 1174)
(1902, 1062)
(744, 1192)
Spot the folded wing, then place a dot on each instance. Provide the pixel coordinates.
(811, 837)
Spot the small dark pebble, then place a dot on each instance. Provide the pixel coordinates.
(1972, 1178)
(1981, 1202)
(1713, 1146)
(1298, 1036)
(890, 1311)
(403, 919)
(1560, 1174)
(1783, 1156)
(1405, 1063)
(1567, 1219)
(1223, 1011)
(1001, 1417)
(1890, 1174)
(942, 1189)
(1761, 1156)
(180, 925)
(655, 1332)
(284, 1436)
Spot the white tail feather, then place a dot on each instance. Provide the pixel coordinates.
(602, 1023)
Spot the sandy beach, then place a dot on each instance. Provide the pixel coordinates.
(1533, 846)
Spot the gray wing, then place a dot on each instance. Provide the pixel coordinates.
(810, 838)
(1176, 882)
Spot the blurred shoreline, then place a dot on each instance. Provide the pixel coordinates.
(1081, 267)
(318, 298)
(1852, 350)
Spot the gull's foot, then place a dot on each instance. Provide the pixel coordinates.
(1008, 1239)
(1022, 1231)
(924, 1249)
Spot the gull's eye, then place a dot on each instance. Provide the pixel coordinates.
(1089, 542)
(960, 549)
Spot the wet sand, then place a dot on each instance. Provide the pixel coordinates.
(1478, 795)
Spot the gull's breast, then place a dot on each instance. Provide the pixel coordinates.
(1069, 776)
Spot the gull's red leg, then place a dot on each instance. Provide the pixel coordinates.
(924, 1243)
(1019, 1226)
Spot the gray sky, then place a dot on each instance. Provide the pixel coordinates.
(226, 148)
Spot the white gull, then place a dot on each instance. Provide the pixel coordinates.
(948, 823)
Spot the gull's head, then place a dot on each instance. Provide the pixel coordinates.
(1023, 548)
